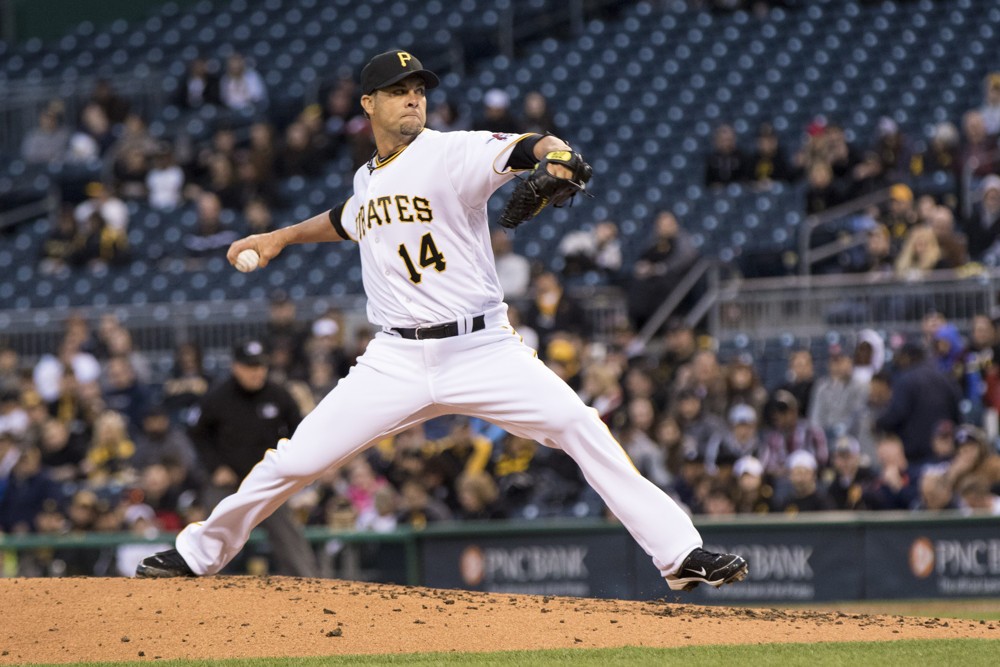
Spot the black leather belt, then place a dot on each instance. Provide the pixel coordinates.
(446, 330)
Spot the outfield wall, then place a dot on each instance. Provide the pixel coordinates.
(820, 558)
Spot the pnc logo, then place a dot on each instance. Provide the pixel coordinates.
(922, 558)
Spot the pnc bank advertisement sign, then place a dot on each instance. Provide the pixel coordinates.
(936, 562)
(574, 565)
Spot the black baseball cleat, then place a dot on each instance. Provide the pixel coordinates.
(164, 564)
(705, 567)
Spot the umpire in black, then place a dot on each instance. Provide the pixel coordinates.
(239, 420)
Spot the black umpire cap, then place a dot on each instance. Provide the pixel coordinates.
(387, 68)
(250, 353)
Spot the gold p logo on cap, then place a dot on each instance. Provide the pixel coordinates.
(404, 58)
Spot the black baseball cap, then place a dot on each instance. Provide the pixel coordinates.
(390, 67)
(250, 353)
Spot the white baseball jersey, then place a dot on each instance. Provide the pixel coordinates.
(420, 218)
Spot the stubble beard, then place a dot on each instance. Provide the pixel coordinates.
(410, 128)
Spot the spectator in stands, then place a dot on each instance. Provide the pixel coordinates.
(239, 421)
(942, 152)
(743, 437)
(223, 144)
(187, 383)
(103, 201)
(61, 244)
(210, 237)
(62, 450)
(976, 497)
(109, 459)
(660, 267)
(983, 227)
(165, 180)
(417, 507)
(990, 110)
(920, 253)
(975, 455)
(888, 160)
(129, 172)
(725, 163)
(99, 244)
(535, 116)
(114, 106)
(593, 252)
(241, 87)
(679, 346)
(706, 429)
(978, 145)
(922, 396)
(496, 114)
(158, 440)
(981, 354)
(787, 432)
(752, 494)
(768, 162)
(878, 258)
(935, 491)
(298, 156)
(869, 355)
(838, 400)
(703, 376)
(48, 142)
(822, 193)
(124, 392)
(446, 117)
(805, 493)
(551, 310)
(262, 153)
(743, 385)
(513, 270)
(478, 498)
(286, 336)
(92, 137)
(636, 439)
(953, 244)
(27, 488)
(199, 86)
(848, 477)
(799, 379)
(220, 179)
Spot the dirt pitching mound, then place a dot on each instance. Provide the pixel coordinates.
(68, 620)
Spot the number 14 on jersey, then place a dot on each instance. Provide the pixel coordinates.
(430, 256)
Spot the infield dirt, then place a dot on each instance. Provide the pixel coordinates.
(68, 620)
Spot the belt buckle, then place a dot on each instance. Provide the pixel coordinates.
(417, 330)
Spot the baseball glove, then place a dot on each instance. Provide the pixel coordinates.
(540, 188)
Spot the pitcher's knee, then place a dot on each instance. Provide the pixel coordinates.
(574, 419)
(287, 463)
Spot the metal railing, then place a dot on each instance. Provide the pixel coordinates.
(813, 305)
(808, 256)
(48, 206)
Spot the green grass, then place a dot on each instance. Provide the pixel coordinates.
(964, 652)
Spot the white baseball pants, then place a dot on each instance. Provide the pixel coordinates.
(398, 383)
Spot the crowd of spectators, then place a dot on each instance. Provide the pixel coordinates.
(91, 440)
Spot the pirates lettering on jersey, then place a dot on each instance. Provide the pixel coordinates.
(387, 209)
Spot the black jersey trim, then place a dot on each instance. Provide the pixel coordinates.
(335, 214)
(522, 155)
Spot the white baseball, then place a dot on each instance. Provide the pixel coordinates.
(247, 260)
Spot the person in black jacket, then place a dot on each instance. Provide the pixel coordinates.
(922, 396)
(239, 421)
